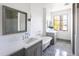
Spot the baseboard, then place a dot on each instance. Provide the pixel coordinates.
(63, 40)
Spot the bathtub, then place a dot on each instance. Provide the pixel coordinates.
(45, 41)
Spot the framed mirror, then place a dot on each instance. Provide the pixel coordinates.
(14, 21)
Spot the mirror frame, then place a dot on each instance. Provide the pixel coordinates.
(3, 20)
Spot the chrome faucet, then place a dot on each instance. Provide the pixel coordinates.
(26, 35)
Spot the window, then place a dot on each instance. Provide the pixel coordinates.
(61, 22)
(56, 23)
(64, 22)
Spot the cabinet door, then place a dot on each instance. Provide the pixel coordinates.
(34, 50)
(39, 49)
(29, 51)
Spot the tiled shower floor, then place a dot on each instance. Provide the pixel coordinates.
(60, 48)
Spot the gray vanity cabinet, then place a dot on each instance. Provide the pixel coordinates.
(53, 35)
(34, 50)
(20, 52)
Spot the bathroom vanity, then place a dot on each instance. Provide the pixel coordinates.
(34, 50)
(31, 48)
(51, 33)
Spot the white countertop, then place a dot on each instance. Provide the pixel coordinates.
(8, 48)
(32, 43)
(11, 47)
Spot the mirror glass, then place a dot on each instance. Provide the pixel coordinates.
(14, 21)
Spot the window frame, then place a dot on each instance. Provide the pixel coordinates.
(54, 21)
(61, 21)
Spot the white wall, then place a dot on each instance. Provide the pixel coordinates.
(36, 10)
(19, 6)
(64, 34)
(36, 15)
(36, 18)
(60, 9)
(39, 13)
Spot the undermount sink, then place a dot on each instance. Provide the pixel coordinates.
(30, 40)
